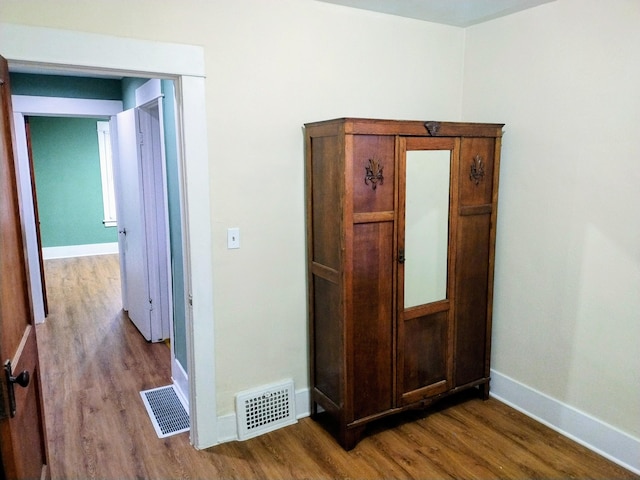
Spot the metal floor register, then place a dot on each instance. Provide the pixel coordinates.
(167, 413)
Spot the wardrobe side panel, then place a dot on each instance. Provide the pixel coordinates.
(328, 351)
(327, 303)
(327, 167)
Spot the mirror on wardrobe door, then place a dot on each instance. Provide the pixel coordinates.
(426, 226)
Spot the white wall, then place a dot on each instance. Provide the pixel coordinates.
(564, 77)
(271, 67)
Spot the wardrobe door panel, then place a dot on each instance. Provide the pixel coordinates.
(472, 275)
(476, 171)
(373, 173)
(425, 356)
(372, 316)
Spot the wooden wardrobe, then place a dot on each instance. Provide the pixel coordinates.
(401, 224)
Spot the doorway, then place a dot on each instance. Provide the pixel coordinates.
(69, 177)
(70, 52)
(66, 138)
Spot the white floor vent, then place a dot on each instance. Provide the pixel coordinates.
(265, 409)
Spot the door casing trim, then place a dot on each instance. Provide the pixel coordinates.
(49, 51)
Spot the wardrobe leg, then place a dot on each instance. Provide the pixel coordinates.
(350, 437)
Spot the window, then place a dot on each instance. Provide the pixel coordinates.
(106, 172)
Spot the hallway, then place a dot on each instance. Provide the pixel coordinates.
(94, 364)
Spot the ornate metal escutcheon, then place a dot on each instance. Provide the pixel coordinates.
(477, 170)
(432, 127)
(373, 173)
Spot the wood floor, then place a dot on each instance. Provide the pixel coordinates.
(94, 364)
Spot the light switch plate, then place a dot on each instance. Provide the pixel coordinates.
(233, 238)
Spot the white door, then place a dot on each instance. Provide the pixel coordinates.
(131, 224)
(138, 165)
(154, 199)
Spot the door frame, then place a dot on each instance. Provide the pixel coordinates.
(51, 50)
(24, 106)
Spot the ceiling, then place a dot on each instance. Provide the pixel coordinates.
(459, 13)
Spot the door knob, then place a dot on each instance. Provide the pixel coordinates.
(21, 379)
(123, 231)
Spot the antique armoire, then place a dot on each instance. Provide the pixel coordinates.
(401, 226)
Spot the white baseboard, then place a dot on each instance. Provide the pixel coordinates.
(303, 403)
(180, 380)
(228, 426)
(596, 435)
(49, 253)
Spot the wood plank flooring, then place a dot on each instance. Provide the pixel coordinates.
(94, 364)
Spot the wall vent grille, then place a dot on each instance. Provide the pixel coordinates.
(265, 409)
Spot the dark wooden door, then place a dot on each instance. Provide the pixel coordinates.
(22, 433)
(425, 307)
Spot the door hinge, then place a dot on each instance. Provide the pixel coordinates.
(190, 300)
(150, 305)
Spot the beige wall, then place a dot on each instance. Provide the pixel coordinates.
(272, 66)
(564, 77)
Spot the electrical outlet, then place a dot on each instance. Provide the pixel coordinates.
(233, 238)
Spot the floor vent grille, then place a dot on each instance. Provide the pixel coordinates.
(167, 413)
(266, 409)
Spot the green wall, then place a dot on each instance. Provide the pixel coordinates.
(62, 86)
(68, 184)
(129, 86)
(67, 162)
